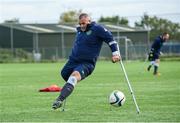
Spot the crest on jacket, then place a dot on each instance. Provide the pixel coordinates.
(89, 32)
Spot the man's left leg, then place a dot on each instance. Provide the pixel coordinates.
(156, 66)
(67, 89)
(79, 73)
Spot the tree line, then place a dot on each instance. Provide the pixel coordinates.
(154, 24)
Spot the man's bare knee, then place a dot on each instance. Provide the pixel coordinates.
(77, 75)
(157, 61)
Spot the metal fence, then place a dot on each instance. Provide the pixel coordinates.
(129, 52)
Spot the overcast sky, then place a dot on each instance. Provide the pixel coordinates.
(48, 11)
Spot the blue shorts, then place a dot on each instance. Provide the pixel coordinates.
(85, 69)
(156, 56)
(153, 56)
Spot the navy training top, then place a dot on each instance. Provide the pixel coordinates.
(157, 44)
(87, 44)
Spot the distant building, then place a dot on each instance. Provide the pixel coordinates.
(55, 40)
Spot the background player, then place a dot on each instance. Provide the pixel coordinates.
(155, 52)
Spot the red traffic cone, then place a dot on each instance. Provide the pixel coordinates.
(52, 88)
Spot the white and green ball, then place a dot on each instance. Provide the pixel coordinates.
(117, 98)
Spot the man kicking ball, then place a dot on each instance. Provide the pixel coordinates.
(87, 45)
(155, 52)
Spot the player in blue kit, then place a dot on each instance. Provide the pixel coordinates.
(155, 52)
(82, 60)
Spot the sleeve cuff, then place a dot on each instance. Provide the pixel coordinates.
(115, 53)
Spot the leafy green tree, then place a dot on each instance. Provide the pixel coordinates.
(114, 20)
(69, 16)
(158, 25)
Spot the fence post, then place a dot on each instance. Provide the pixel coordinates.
(12, 38)
(63, 46)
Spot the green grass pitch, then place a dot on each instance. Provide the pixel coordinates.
(157, 97)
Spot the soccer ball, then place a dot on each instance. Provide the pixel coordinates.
(117, 98)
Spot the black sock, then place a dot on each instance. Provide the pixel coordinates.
(149, 67)
(155, 69)
(66, 91)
